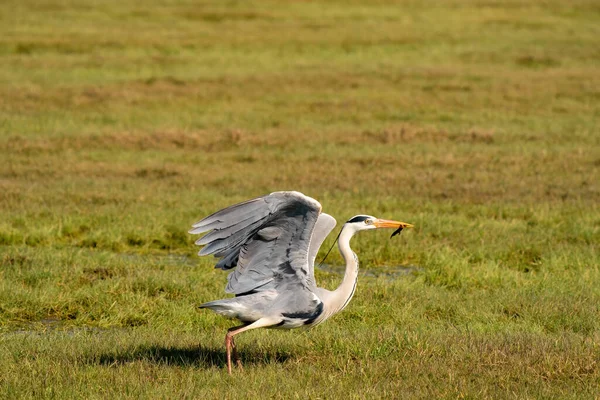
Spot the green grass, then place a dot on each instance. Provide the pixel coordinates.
(477, 121)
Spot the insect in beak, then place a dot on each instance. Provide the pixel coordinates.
(384, 223)
(397, 232)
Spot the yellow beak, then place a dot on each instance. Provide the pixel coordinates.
(386, 223)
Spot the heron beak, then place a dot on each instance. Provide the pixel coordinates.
(385, 223)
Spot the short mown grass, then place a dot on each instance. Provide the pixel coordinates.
(477, 121)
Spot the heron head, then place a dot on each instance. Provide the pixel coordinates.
(364, 222)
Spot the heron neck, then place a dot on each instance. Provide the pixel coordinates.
(345, 291)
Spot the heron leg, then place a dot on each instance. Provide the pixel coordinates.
(231, 332)
(231, 348)
(230, 345)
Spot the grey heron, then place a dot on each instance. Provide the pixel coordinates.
(272, 242)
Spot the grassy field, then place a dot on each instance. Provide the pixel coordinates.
(477, 121)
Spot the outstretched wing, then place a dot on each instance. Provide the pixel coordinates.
(323, 227)
(266, 238)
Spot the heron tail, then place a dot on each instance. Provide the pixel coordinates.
(226, 307)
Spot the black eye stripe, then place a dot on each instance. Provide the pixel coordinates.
(359, 218)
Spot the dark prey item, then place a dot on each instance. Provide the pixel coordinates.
(396, 232)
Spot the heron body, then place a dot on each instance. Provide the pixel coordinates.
(271, 243)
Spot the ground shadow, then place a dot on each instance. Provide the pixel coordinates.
(203, 357)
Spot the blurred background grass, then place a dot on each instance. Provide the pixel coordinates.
(121, 124)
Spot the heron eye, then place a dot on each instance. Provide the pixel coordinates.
(368, 221)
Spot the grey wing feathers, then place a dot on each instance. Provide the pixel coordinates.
(323, 227)
(266, 238)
